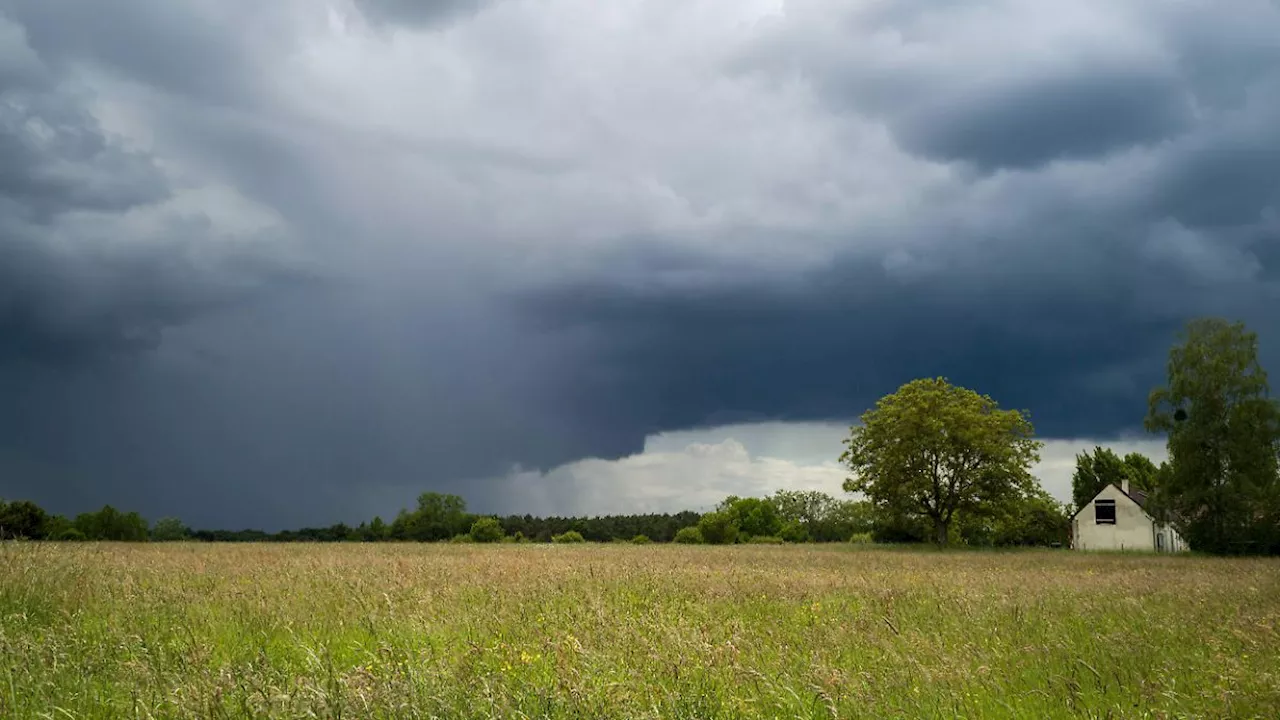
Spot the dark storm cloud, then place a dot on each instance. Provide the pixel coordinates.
(1077, 349)
(77, 279)
(96, 267)
(1044, 119)
(1033, 288)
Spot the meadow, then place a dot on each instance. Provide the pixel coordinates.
(189, 630)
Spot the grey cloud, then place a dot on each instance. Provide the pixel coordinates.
(54, 160)
(1037, 120)
(204, 48)
(419, 13)
(78, 277)
(1227, 178)
(1012, 85)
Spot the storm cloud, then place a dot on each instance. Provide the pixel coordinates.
(287, 263)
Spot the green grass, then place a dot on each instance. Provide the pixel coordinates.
(620, 631)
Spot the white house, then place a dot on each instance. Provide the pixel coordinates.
(1116, 520)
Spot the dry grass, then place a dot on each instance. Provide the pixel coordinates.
(449, 631)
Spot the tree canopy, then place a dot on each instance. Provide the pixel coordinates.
(169, 529)
(753, 517)
(1222, 487)
(1095, 470)
(932, 450)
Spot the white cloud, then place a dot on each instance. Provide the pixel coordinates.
(695, 469)
(694, 477)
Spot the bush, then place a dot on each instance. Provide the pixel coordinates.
(862, 538)
(572, 536)
(752, 516)
(169, 530)
(463, 538)
(514, 539)
(718, 528)
(765, 540)
(486, 530)
(689, 536)
(70, 535)
(640, 540)
(794, 532)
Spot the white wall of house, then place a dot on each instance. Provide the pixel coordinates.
(1133, 529)
(1172, 541)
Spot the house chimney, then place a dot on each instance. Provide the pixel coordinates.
(1124, 485)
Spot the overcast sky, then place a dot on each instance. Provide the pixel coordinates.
(293, 262)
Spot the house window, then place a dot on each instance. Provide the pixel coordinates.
(1104, 512)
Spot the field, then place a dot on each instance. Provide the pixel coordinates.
(617, 631)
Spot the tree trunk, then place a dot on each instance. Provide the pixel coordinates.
(940, 531)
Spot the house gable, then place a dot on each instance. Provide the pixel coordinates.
(1120, 497)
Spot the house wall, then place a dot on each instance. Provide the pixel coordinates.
(1173, 542)
(1133, 529)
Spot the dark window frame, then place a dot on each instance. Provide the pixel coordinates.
(1098, 517)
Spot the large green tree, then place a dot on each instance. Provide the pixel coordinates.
(932, 450)
(439, 516)
(169, 529)
(753, 516)
(22, 519)
(718, 528)
(111, 524)
(1222, 487)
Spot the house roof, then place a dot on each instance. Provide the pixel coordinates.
(1138, 496)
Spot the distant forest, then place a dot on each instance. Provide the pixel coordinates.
(786, 516)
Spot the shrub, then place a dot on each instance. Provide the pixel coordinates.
(862, 538)
(640, 540)
(70, 535)
(463, 538)
(689, 536)
(486, 530)
(718, 528)
(572, 536)
(169, 530)
(752, 516)
(794, 532)
(765, 540)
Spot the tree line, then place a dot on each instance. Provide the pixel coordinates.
(792, 516)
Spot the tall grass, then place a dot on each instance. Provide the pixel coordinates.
(620, 631)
